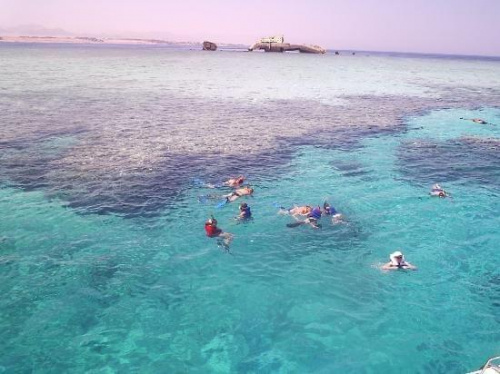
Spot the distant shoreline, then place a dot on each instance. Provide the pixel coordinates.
(25, 39)
(94, 40)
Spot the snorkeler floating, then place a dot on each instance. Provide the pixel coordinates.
(475, 120)
(437, 191)
(398, 262)
(312, 219)
(243, 191)
(312, 214)
(213, 231)
(234, 182)
(296, 210)
(227, 198)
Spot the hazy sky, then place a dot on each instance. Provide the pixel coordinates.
(440, 26)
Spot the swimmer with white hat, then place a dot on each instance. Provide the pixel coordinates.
(398, 262)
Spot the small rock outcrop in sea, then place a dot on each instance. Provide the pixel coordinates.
(277, 44)
(209, 46)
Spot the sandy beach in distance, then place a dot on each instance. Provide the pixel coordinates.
(84, 39)
(94, 40)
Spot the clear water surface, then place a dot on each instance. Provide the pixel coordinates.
(104, 264)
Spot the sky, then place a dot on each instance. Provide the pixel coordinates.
(469, 27)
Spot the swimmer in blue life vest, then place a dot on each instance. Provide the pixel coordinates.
(329, 210)
(245, 212)
(398, 262)
(437, 191)
(312, 219)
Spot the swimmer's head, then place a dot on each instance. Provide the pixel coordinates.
(243, 206)
(396, 256)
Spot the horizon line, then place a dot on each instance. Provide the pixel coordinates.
(163, 41)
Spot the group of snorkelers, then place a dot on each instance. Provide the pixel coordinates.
(245, 213)
(311, 217)
(311, 214)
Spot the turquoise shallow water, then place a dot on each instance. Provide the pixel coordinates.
(148, 292)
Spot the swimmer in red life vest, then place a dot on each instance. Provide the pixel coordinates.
(213, 231)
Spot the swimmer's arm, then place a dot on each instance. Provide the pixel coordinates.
(388, 266)
(410, 266)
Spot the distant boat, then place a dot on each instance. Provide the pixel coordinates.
(277, 44)
(209, 46)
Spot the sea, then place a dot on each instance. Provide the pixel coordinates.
(107, 156)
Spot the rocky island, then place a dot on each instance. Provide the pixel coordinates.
(277, 44)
